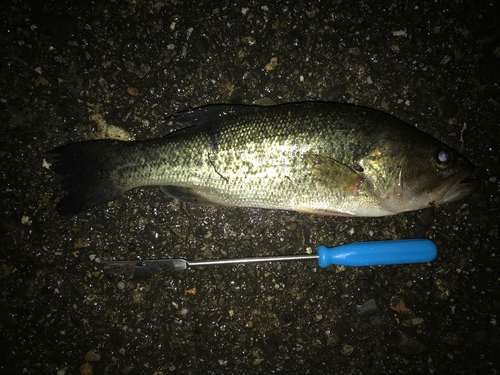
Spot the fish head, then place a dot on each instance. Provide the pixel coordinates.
(428, 173)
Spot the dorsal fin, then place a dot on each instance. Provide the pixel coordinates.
(204, 116)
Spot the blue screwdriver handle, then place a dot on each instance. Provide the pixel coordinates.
(378, 252)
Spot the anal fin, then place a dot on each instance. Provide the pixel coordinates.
(323, 212)
(187, 195)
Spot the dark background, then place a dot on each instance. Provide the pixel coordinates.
(70, 70)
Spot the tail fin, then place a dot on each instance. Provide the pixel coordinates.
(85, 167)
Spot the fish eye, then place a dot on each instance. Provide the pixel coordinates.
(443, 158)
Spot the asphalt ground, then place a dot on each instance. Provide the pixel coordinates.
(73, 71)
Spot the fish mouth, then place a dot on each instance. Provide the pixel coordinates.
(455, 188)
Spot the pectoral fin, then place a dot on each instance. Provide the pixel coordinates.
(333, 174)
(187, 195)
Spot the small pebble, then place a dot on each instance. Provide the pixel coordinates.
(368, 308)
(92, 356)
(347, 349)
(257, 361)
(399, 33)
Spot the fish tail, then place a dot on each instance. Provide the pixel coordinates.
(86, 169)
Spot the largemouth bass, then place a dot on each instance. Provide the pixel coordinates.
(316, 157)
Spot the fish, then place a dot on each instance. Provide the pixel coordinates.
(312, 157)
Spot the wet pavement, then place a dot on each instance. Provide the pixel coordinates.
(75, 71)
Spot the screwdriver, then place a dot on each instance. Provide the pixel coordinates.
(374, 253)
